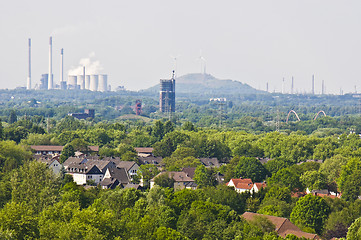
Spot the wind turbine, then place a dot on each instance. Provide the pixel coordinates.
(175, 58)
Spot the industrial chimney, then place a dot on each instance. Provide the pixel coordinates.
(28, 84)
(313, 84)
(50, 76)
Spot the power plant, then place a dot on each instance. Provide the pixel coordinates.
(94, 81)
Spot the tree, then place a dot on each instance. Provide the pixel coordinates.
(248, 167)
(36, 184)
(19, 219)
(354, 231)
(331, 167)
(188, 126)
(350, 179)
(168, 127)
(204, 177)
(311, 211)
(226, 196)
(147, 172)
(314, 180)
(158, 130)
(12, 117)
(164, 233)
(164, 180)
(1, 130)
(286, 177)
(12, 156)
(68, 151)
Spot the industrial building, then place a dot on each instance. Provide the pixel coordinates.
(88, 113)
(167, 95)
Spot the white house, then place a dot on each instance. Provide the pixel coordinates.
(245, 184)
(83, 175)
(240, 184)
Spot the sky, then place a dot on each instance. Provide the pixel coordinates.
(135, 42)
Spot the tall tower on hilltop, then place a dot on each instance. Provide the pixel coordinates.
(167, 95)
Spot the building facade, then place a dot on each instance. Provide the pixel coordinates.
(167, 95)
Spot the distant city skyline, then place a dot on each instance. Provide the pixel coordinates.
(136, 43)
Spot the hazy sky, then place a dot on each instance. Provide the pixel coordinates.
(253, 42)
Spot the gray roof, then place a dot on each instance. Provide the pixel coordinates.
(102, 165)
(126, 164)
(151, 160)
(120, 174)
(82, 168)
(189, 171)
(109, 183)
(177, 176)
(210, 162)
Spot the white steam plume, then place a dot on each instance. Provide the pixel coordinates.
(91, 66)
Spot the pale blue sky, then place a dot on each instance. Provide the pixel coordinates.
(250, 41)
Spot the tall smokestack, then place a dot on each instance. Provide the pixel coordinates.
(323, 87)
(28, 83)
(313, 84)
(83, 82)
(267, 87)
(62, 65)
(292, 85)
(283, 85)
(50, 76)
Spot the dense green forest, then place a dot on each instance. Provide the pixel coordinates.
(309, 154)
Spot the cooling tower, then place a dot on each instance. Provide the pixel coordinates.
(80, 81)
(87, 82)
(72, 82)
(103, 82)
(94, 80)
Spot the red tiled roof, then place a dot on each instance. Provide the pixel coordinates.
(283, 226)
(260, 185)
(144, 149)
(57, 148)
(242, 183)
(46, 148)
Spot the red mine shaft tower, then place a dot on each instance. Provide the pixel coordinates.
(138, 107)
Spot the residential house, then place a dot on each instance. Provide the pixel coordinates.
(245, 184)
(258, 186)
(114, 177)
(52, 149)
(82, 174)
(52, 163)
(283, 226)
(144, 151)
(189, 171)
(210, 162)
(241, 184)
(103, 165)
(157, 161)
(46, 149)
(130, 166)
(181, 180)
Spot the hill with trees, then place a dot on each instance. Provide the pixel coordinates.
(206, 84)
